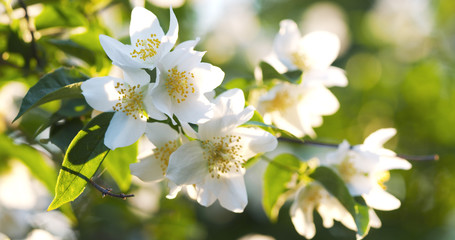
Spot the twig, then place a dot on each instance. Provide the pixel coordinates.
(32, 33)
(433, 157)
(104, 191)
(107, 191)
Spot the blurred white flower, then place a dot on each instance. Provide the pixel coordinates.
(214, 162)
(23, 201)
(406, 24)
(327, 16)
(3, 237)
(129, 98)
(312, 53)
(11, 95)
(297, 108)
(148, 41)
(167, 3)
(365, 168)
(314, 196)
(40, 234)
(256, 237)
(146, 200)
(14, 223)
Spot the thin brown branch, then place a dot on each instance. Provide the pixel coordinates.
(104, 191)
(433, 157)
(108, 191)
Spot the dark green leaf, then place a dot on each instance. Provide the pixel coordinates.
(61, 84)
(70, 108)
(270, 73)
(74, 49)
(16, 44)
(277, 177)
(62, 133)
(336, 186)
(84, 156)
(118, 165)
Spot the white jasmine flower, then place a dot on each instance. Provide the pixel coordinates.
(153, 163)
(297, 108)
(182, 82)
(129, 98)
(214, 162)
(148, 42)
(314, 196)
(312, 53)
(365, 168)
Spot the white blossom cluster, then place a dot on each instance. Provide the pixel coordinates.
(207, 151)
(210, 160)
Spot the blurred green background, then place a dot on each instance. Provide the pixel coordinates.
(398, 56)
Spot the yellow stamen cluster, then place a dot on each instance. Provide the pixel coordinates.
(164, 152)
(223, 155)
(281, 101)
(313, 195)
(300, 60)
(130, 100)
(346, 169)
(179, 84)
(147, 47)
(382, 178)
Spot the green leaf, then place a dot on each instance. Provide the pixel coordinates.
(74, 49)
(118, 165)
(70, 108)
(241, 83)
(257, 121)
(336, 186)
(84, 156)
(61, 84)
(59, 16)
(270, 73)
(16, 44)
(62, 133)
(277, 177)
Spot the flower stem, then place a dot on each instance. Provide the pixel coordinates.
(433, 157)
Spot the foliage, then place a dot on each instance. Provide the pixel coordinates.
(57, 136)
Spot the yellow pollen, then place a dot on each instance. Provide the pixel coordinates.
(164, 152)
(223, 155)
(382, 178)
(179, 84)
(281, 101)
(299, 60)
(312, 195)
(130, 100)
(346, 169)
(147, 47)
